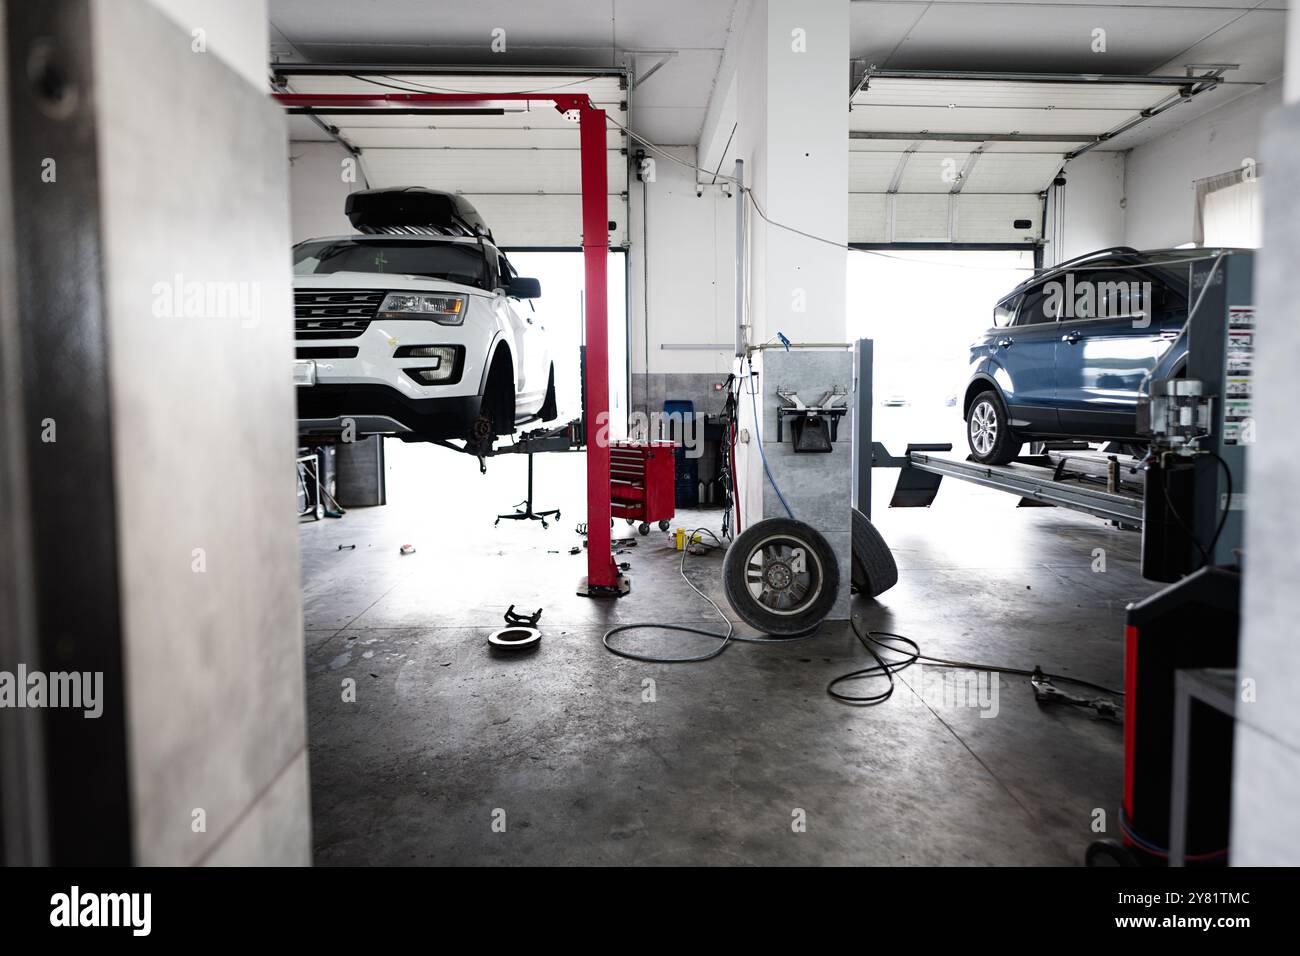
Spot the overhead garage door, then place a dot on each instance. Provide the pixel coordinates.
(946, 160)
(517, 162)
(942, 191)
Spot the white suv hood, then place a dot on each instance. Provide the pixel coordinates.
(383, 280)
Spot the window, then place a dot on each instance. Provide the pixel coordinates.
(1233, 216)
(1228, 209)
(1040, 305)
(1107, 295)
(1004, 313)
(1119, 294)
(456, 262)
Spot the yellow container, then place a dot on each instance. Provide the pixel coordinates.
(680, 541)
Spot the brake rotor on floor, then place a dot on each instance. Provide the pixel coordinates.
(515, 638)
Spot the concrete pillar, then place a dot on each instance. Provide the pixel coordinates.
(792, 101)
(792, 87)
(1266, 762)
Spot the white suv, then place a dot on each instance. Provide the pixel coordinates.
(417, 335)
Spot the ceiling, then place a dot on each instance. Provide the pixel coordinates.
(1009, 139)
(668, 108)
(517, 161)
(1142, 36)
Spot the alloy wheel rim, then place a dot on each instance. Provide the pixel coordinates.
(784, 575)
(983, 428)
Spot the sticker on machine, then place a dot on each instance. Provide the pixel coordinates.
(1238, 426)
(1237, 409)
(1238, 386)
(1241, 351)
(1241, 316)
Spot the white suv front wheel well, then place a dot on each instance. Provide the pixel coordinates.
(499, 391)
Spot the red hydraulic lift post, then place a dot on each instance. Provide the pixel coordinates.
(602, 573)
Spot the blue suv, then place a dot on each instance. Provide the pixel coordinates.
(1070, 348)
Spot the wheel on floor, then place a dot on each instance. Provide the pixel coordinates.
(781, 577)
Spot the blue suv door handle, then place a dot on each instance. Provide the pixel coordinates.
(1071, 337)
(1006, 342)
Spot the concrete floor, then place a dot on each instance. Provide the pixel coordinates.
(562, 746)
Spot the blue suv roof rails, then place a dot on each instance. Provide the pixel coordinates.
(1097, 254)
(1110, 253)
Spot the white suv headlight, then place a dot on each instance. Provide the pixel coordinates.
(442, 308)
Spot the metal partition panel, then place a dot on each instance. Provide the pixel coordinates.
(194, 209)
(863, 358)
(65, 776)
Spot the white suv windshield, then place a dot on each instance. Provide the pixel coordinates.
(455, 262)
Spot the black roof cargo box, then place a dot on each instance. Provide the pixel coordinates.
(414, 207)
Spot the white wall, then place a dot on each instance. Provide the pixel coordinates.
(1266, 759)
(236, 31)
(318, 190)
(794, 137)
(688, 243)
(1091, 206)
(751, 143)
(1291, 77)
(1161, 195)
(1145, 197)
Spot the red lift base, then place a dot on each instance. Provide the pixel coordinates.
(620, 587)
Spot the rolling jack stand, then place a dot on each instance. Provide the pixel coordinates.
(527, 513)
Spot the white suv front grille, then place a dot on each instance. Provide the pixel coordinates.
(334, 313)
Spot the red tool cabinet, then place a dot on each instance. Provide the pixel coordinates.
(641, 482)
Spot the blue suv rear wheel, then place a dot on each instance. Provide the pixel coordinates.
(988, 431)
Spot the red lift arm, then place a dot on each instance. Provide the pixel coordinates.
(602, 573)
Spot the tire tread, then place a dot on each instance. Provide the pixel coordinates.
(874, 569)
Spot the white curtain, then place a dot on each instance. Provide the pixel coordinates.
(1228, 210)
